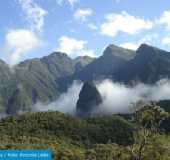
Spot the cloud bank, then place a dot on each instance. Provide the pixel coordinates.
(116, 23)
(65, 103)
(74, 47)
(71, 2)
(117, 98)
(83, 14)
(34, 14)
(19, 42)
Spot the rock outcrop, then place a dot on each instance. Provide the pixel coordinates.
(89, 100)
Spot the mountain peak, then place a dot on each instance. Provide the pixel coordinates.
(144, 47)
(119, 52)
(82, 61)
(149, 51)
(58, 54)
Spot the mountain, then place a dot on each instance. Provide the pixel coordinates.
(89, 100)
(35, 80)
(44, 79)
(81, 62)
(104, 66)
(148, 66)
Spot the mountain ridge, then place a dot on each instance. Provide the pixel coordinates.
(44, 79)
(148, 66)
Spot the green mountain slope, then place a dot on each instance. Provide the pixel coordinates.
(103, 67)
(70, 138)
(58, 125)
(148, 66)
(44, 79)
(35, 80)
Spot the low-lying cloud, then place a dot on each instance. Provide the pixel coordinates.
(120, 98)
(117, 97)
(65, 103)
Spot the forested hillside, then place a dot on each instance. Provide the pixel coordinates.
(93, 138)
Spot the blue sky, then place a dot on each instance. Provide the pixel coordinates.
(35, 28)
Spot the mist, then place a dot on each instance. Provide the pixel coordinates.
(120, 98)
(117, 97)
(66, 103)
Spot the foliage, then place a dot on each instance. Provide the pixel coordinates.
(95, 138)
(55, 124)
(148, 119)
(113, 125)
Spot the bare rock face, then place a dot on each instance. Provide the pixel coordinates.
(89, 100)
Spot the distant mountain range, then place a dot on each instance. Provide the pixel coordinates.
(44, 79)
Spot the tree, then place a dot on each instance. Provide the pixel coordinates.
(90, 155)
(148, 119)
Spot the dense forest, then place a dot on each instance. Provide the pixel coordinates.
(141, 136)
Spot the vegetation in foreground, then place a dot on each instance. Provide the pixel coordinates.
(98, 138)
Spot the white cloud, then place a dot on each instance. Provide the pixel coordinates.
(71, 2)
(74, 47)
(92, 26)
(117, 97)
(124, 22)
(34, 14)
(65, 103)
(134, 45)
(19, 42)
(69, 45)
(82, 14)
(120, 98)
(165, 19)
(166, 41)
(130, 45)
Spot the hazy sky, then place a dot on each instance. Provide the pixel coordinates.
(34, 28)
